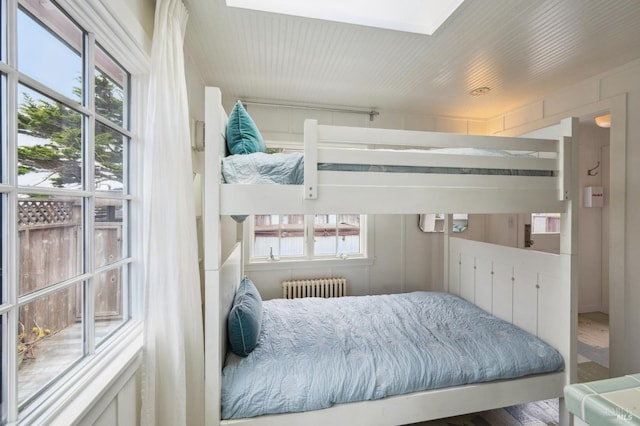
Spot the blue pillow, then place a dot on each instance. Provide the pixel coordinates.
(245, 318)
(243, 137)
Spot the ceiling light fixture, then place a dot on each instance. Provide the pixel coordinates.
(480, 91)
(604, 121)
(415, 16)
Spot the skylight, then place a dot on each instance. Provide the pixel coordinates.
(416, 16)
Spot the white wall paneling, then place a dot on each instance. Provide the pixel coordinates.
(620, 81)
(122, 410)
(523, 115)
(495, 125)
(396, 120)
(451, 125)
(583, 93)
(476, 127)
(590, 262)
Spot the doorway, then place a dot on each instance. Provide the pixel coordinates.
(593, 346)
(593, 254)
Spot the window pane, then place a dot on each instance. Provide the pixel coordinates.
(109, 302)
(108, 231)
(349, 233)
(325, 234)
(278, 235)
(51, 243)
(111, 88)
(49, 339)
(291, 235)
(52, 59)
(49, 142)
(109, 156)
(545, 223)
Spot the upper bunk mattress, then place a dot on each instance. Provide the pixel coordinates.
(288, 169)
(313, 353)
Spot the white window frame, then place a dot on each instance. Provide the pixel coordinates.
(69, 398)
(364, 257)
(547, 215)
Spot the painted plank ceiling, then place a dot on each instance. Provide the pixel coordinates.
(521, 49)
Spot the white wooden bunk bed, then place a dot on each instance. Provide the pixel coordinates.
(533, 290)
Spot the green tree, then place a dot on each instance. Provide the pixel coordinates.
(61, 127)
(108, 98)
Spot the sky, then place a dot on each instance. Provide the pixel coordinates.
(46, 58)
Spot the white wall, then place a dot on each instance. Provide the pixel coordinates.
(590, 237)
(136, 16)
(120, 405)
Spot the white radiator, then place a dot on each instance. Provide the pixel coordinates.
(317, 287)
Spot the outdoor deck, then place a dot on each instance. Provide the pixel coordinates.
(55, 354)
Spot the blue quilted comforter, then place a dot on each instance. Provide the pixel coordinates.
(259, 168)
(313, 353)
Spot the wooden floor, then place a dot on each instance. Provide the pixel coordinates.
(534, 413)
(593, 362)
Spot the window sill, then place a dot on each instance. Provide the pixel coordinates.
(75, 398)
(307, 263)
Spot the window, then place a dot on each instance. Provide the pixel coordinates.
(545, 223)
(280, 237)
(419, 16)
(65, 193)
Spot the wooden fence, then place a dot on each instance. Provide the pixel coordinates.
(51, 251)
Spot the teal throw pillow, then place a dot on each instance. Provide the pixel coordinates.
(245, 319)
(243, 136)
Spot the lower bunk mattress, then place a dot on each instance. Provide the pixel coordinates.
(313, 353)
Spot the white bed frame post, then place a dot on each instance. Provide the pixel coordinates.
(569, 246)
(212, 170)
(212, 253)
(448, 233)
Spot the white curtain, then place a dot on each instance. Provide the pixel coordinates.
(173, 366)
